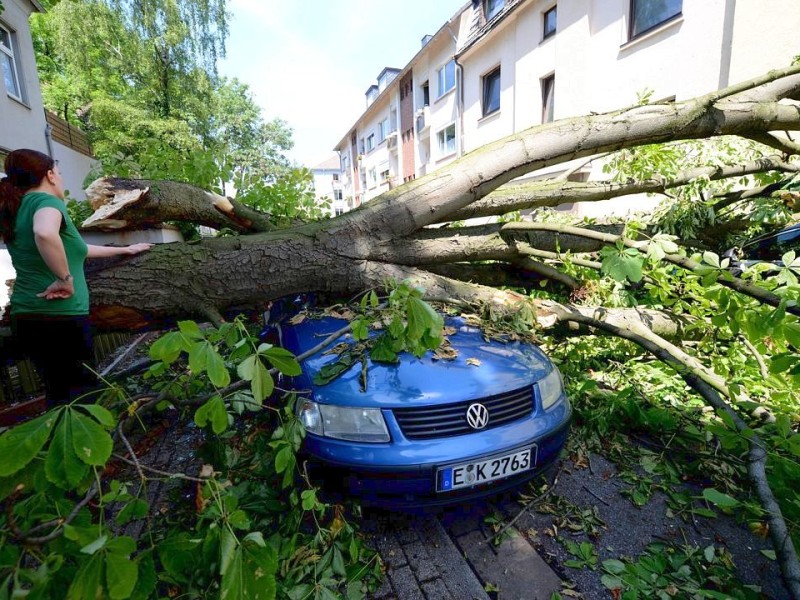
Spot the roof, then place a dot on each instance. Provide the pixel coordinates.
(403, 71)
(331, 163)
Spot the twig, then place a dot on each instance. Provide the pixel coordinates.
(525, 508)
(596, 496)
(134, 458)
(158, 471)
(759, 359)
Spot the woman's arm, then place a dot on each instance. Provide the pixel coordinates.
(46, 227)
(106, 251)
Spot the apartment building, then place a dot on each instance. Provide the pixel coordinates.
(328, 185)
(498, 67)
(24, 123)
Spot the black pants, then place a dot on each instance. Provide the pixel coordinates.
(60, 347)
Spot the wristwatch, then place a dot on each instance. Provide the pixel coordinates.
(66, 278)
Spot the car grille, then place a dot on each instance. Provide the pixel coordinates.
(451, 419)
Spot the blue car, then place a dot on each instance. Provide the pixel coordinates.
(429, 432)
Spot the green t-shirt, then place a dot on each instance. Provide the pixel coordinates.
(33, 274)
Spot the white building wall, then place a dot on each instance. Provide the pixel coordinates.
(757, 44)
(22, 124)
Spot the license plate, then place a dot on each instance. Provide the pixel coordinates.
(482, 471)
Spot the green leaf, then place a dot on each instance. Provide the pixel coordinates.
(95, 545)
(282, 458)
(88, 581)
(62, 465)
(167, 348)
(791, 332)
(614, 566)
(622, 266)
(239, 519)
(711, 259)
(191, 330)
(250, 574)
(770, 554)
(146, 579)
(719, 499)
(217, 371)
(261, 384)
(91, 442)
(123, 544)
(359, 328)
(212, 412)
(283, 360)
(227, 550)
(382, 351)
(20, 444)
(135, 509)
(709, 553)
(100, 414)
(309, 498)
(121, 574)
(422, 318)
(246, 368)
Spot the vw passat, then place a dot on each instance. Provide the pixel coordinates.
(430, 432)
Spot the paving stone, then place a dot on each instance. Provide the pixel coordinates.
(390, 550)
(384, 591)
(405, 584)
(420, 561)
(437, 590)
(514, 567)
(448, 560)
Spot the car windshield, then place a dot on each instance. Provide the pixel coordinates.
(774, 246)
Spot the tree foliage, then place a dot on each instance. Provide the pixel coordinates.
(140, 78)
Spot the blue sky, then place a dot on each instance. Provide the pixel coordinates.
(309, 62)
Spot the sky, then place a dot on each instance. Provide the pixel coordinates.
(309, 62)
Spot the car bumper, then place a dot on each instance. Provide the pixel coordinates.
(402, 474)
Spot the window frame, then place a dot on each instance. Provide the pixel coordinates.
(633, 33)
(490, 13)
(548, 84)
(442, 140)
(370, 145)
(548, 33)
(10, 52)
(485, 100)
(441, 78)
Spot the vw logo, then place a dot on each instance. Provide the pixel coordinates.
(477, 416)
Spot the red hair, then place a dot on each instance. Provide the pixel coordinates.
(25, 169)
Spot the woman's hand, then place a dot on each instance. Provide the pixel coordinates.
(58, 289)
(137, 248)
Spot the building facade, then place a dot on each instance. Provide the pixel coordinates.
(24, 123)
(328, 185)
(498, 67)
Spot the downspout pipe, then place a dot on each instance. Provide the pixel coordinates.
(459, 95)
(48, 138)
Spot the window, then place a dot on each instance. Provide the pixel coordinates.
(336, 177)
(370, 142)
(492, 7)
(9, 63)
(383, 130)
(426, 94)
(646, 14)
(549, 23)
(337, 194)
(491, 92)
(373, 178)
(361, 146)
(548, 98)
(446, 77)
(338, 211)
(447, 140)
(385, 175)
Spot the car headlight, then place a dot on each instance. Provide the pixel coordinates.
(550, 388)
(343, 422)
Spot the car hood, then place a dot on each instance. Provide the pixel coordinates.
(482, 368)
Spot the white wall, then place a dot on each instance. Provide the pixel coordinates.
(22, 124)
(74, 167)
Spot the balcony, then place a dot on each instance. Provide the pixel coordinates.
(391, 141)
(423, 118)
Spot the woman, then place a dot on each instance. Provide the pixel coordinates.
(50, 300)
